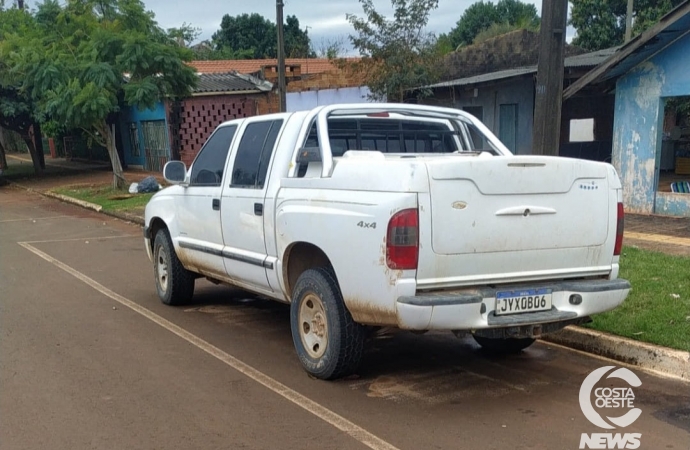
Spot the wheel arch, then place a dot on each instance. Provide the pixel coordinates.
(155, 226)
(300, 256)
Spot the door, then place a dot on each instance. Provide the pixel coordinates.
(507, 126)
(243, 202)
(155, 144)
(198, 210)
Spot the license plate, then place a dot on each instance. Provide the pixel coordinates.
(523, 301)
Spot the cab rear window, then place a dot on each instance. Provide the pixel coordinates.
(387, 135)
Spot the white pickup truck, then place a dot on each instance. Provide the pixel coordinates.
(390, 215)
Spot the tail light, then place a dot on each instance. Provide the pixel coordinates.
(619, 230)
(402, 240)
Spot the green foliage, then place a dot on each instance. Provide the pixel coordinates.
(398, 54)
(80, 59)
(257, 35)
(76, 63)
(601, 23)
(681, 105)
(496, 29)
(444, 44)
(185, 34)
(17, 111)
(297, 44)
(329, 48)
(206, 51)
(480, 16)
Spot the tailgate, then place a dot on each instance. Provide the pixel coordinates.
(517, 214)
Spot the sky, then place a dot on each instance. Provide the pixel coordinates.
(325, 19)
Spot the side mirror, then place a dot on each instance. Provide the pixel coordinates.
(174, 172)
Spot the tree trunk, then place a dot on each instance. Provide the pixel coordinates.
(3, 150)
(119, 181)
(38, 142)
(3, 159)
(34, 154)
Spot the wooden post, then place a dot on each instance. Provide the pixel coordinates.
(549, 87)
(281, 55)
(628, 21)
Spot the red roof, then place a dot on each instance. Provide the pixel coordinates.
(246, 66)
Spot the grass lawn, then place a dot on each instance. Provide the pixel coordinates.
(109, 198)
(658, 307)
(24, 170)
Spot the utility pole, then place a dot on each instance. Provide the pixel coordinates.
(281, 55)
(549, 87)
(628, 21)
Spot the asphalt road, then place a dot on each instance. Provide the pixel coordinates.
(90, 359)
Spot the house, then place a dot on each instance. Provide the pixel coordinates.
(497, 85)
(229, 89)
(651, 143)
(310, 82)
(177, 130)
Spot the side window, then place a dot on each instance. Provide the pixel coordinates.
(254, 154)
(208, 166)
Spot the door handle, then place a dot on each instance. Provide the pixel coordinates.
(216, 204)
(259, 209)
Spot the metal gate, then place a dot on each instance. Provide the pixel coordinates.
(155, 144)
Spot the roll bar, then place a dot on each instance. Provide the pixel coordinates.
(320, 115)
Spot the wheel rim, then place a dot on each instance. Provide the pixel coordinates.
(162, 269)
(313, 327)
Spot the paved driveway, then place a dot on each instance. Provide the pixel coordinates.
(91, 359)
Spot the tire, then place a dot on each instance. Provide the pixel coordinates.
(329, 343)
(503, 345)
(174, 283)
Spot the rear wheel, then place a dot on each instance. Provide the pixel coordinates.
(503, 345)
(174, 283)
(329, 343)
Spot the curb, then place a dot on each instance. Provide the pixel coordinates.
(653, 358)
(126, 217)
(84, 204)
(67, 199)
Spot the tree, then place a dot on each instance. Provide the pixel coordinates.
(88, 57)
(255, 33)
(505, 16)
(601, 23)
(330, 48)
(185, 34)
(297, 44)
(205, 50)
(17, 110)
(397, 54)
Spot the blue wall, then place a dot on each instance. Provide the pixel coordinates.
(132, 114)
(638, 125)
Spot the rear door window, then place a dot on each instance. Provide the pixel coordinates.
(254, 154)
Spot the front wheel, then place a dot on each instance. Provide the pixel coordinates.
(503, 345)
(174, 283)
(329, 343)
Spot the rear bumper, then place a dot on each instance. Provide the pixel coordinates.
(475, 309)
